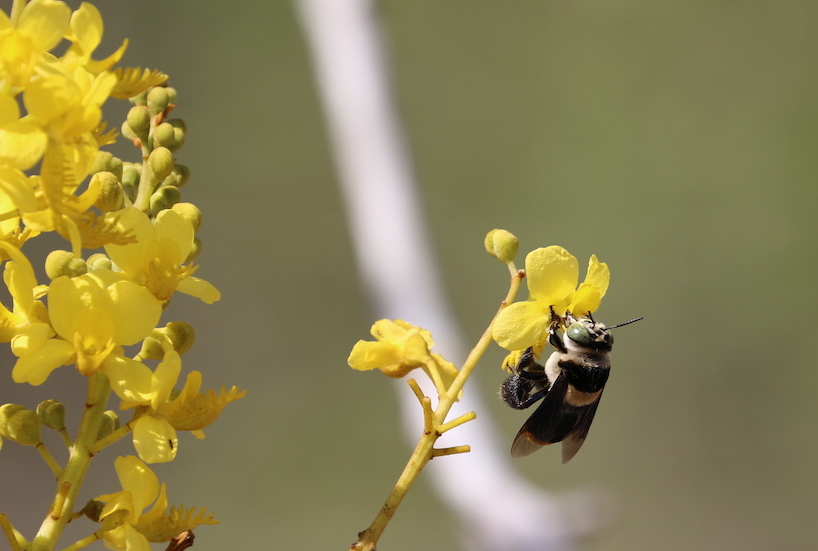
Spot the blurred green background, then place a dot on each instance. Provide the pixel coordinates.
(675, 140)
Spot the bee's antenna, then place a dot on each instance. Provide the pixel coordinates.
(626, 323)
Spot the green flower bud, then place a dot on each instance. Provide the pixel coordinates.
(111, 196)
(171, 95)
(52, 414)
(182, 173)
(127, 132)
(157, 100)
(106, 162)
(139, 120)
(163, 136)
(131, 174)
(164, 198)
(140, 99)
(160, 163)
(108, 424)
(64, 263)
(179, 133)
(195, 249)
(189, 212)
(98, 261)
(502, 245)
(181, 335)
(20, 425)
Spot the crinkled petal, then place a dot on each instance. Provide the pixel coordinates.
(155, 440)
(521, 324)
(552, 274)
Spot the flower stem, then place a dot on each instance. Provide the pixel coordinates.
(70, 482)
(434, 426)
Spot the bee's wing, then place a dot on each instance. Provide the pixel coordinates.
(574, 439)
(541, 427)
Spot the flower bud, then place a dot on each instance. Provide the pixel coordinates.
(157, 100)
(502, 245)
(93, 509)
(108, 424)
(98, 261)
(20, 425)
(160, 163)
(182, 173)
(131, 174)
(163, 136)
(194, 250)
(140, 99)
(106, 162)
(179, 133)
(64, 263)
(171, 91)
(139, 121)
(164, 198)
(52, 414)
(189, 212)
(111, 196)
(127, 131)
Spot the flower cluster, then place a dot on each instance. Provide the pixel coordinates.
(132, 245)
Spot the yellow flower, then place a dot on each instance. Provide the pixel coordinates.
(94, 315)
(399, 348)
(162, 410)
(28, 316)
(24, 47)
(134, 527)
(157, 258)
(86, 35)
(552, 274)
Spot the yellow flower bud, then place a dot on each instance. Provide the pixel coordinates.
(106, 162)
(164, 198)
(191, 213)
(64, 263)
(139, 121)
(52, 414)
(98, 261)
(502, 245)
(20, 425)
(131, 174)
(111, 195)
(152, 347)
(140, 99)
(181, 335)
(163, 136)
(171, 95)
(157, 100)
(160, 163)
(195, 250)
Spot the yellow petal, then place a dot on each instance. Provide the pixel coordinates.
(35, 368)
(130, 379)
(598, 274)
(521, 324)
(552, 274)
(155, 440)
(586, 301)
(199, 288)
(139, 479)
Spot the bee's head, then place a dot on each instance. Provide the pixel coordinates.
(586, 333)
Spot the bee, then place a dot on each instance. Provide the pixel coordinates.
(570, 385)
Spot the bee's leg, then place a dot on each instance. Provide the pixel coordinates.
(516, 391)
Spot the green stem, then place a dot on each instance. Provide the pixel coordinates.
(69, 484)
(425, 450)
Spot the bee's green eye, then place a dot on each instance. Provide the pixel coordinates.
(578, 333)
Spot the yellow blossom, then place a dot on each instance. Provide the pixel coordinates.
(135, 527)
(399, 348)
(94, 315)
(28, 317)
(157, 258)
(24, 47)
(552, 274)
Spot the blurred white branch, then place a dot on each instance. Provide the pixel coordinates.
(498, 510)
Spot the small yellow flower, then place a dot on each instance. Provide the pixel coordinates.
(399, 348)
(162, 410)
(552, 274)
(28, 314)
(135, 527)
(94, 315)
(157, 258)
